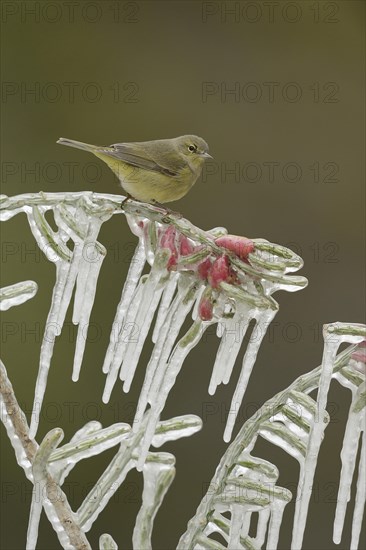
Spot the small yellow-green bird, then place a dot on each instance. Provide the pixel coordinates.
(160, 171)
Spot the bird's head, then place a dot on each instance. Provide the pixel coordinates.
(194, 149)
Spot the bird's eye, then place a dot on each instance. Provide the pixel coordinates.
(192, 148)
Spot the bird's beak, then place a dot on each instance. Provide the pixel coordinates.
(206, 156)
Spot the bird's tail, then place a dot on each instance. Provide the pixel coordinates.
(77, 144)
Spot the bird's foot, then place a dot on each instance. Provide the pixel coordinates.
(128, 197)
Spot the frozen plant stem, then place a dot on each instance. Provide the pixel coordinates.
(60, 513)
(244, 440)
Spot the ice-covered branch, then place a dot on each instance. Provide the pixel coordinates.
(16, 425)
(27, 453)
(179, 272)
(220, 279)
(334, 335)
(127, 458)
(47, 467)
(289, 421)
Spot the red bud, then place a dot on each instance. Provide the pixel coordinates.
(168, 240)
(186, 247)
(205, 308)
(241, 246)
(204, 269)
(220, 271)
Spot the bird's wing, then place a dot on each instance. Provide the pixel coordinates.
(134, 154)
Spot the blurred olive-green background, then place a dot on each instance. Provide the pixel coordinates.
(276, 89)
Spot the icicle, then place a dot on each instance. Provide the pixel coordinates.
(143, 321)
(263, 517)
(348, 457)
(360, 497)
(48, 342)
(33, 521)
(102, 492)
(235, 526)
(90, 290)
(334, 335)
(164, 381)
(277, 509)
(122, 341)
(81, 300)
(166, 300)
(167, 337)
(136, 224)
(69, 287)
(156, 367)
(245, 523)
(134, 273)
(161, 349)
(53, 246)
(139, 312)
(232, 337)
(62, 218)
(264, 318)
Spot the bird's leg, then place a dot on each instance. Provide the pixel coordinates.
(128, 197)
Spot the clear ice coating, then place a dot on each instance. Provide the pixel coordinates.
(80, 266)
(106, 542)
(295, 422)
(334, 335)
(158, 473)
(17, 294)
(48, 466)
(178, 273)
(228, 284)
(354, 436)
(183, 260)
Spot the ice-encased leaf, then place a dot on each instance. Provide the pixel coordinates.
(334, 335)
(158, 472)
(244, 291)
(14, 295)
(106, 542)
(287, 420)
(127, 458)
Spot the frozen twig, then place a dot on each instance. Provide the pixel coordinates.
(26, 449)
